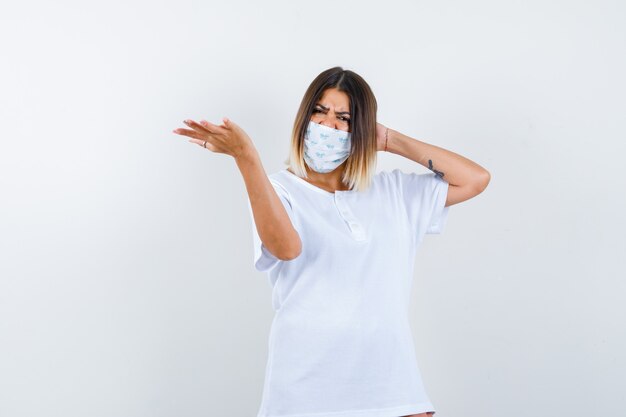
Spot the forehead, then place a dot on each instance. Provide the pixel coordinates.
(335, 99)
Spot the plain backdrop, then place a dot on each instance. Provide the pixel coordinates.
(127, 287)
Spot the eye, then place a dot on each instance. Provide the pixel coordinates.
(345, 119)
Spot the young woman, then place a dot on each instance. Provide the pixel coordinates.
(338, 242)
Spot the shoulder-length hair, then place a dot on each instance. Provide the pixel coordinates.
(361, 164)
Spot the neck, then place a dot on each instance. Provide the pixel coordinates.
(328, 180)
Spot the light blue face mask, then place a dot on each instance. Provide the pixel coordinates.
(325, 148)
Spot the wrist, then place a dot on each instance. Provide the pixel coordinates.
(247, 155)
(406, 146)
(393, 141)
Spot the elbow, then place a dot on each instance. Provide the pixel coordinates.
(294, 250)
(482, 181)
(289, 257)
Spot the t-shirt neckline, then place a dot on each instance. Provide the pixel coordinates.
(314, 187)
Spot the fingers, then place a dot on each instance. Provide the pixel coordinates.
(226, 125)
(213, 128)
(204, 144)
(201, 139)
(197, 126)
(192, 134)
(199, 129)
(205, 131)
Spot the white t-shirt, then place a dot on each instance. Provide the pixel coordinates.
(340, 344)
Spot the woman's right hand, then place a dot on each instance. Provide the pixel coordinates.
(228, 138)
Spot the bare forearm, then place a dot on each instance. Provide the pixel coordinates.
(452, 167)
(270, 217)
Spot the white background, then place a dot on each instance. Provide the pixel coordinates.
(126, 280)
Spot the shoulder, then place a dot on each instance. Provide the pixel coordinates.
(399, 175)
(388, 178)
(390, 174)
(411, 181)
(395, 173)
(280, 181)
(276, 174)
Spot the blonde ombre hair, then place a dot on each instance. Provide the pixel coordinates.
(361, 164)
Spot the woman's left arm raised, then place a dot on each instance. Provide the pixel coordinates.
(465, 178)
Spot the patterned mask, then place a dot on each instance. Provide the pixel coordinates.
(325, 148)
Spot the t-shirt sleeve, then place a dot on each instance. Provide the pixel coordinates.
(424, 197)
(264, 260)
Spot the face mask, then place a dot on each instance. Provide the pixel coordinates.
(325, 148)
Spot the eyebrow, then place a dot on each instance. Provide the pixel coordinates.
(337, 112)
